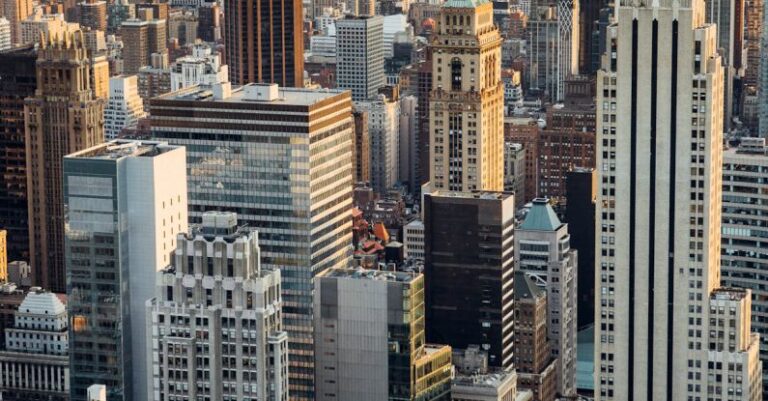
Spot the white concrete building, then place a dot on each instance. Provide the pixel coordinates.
(360, 56)
(384, 131)
(202, 67)
(126, 202)
(323, 45)
(34, 363)
(413, 240)
(124, 105)
(5, 34)
(216, 323)
(408, 142)
(543, 252)
(658, 230)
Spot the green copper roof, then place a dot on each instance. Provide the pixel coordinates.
(541, 217)
(464, 3)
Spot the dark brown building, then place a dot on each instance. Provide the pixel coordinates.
(93, 14)
(62, 117)
(362, 149)
(264, 41)
(468, 271)
(525, 131)
(536, 370)
(17, 81)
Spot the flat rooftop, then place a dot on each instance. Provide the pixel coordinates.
(729, 294)
(489, 380)
(242, 94)
(370, 274)
(120, 148)
(491, 195)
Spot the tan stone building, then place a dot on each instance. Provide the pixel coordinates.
(467, 100)
(64, 116)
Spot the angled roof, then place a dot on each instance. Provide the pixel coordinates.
(42, 303)
(464, 3)
(525, 288)
(541, 217)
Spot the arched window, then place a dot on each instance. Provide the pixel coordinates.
(456, 74)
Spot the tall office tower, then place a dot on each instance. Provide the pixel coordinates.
(554, 47)
(581, 192)
(543, 252)
(216, 322)
(362, 149)
(93, 14)
(5, 34)
(209, 22)
(370, 343)
(17, 82)
(589, 13)
(118, 12)
(63, 116)
(16, 11)
(361, 7)
(126, 201)
(145, 37)
(384, 133)
(360, 55)
(466, 103)
(762, 79)
(200, 67)
(423, 83)
(468, 254)
(33, 359)
(292, 181)
(124, 106)
(753, 15)
(728, 15)
(407, 143)
(744, 254)
(46, 24)
(658, 245)
(536, 368)
(264, 41)
(514, 171)
(155, 79)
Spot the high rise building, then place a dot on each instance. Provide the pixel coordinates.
(33, 360)
(762, 78)
(408, 120)
(360, 55)
(554, 46)
(216, 323)
(264, 41)
(536, 368)
(292, 181)
(5, 34)
(466, 103)
(468, 254)
(62, 117)
(362, 148)
(16, 11)
(146, 37)
(18, 81)
(753, 30)
(201, 67)
(119, 11)
(413, 240)
(3, 255)
(581, 192)
(370, 342)
(155, 79)
(47, 25)
(660, 97)
(126, 202)
(209, 22)
(124, 106)
(543, 252)
(589, 14)
(384, 133)
(93, 14)
(744, 254)
(514, 171)
(728, 16)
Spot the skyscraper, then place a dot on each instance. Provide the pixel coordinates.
(554, 46)
(728, 16)
(264, 41)
(16, 11)
(660, 110)
(384, 134)
(217, 319)
(288, 175)
(18, 81)
(581, 187)
(744, 254)
(146, 37)
(93, 14)
(126, 201)
(5, 34)
(466, 103)
(370, 338)
(124, 106)
(360, 55)
(468, 271)
(63, 116)
(543, 252)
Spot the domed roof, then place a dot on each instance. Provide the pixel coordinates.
(42, 303)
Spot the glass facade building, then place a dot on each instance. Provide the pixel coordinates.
(281, 158)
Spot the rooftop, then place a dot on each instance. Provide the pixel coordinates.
(525, 288)
(42, 303)
(750, 147)
(464, 3)
(473, 195)
(729, 294)
(120, 148)
(541, 217)
(248, 94)
(368, 274)
(490, 380)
